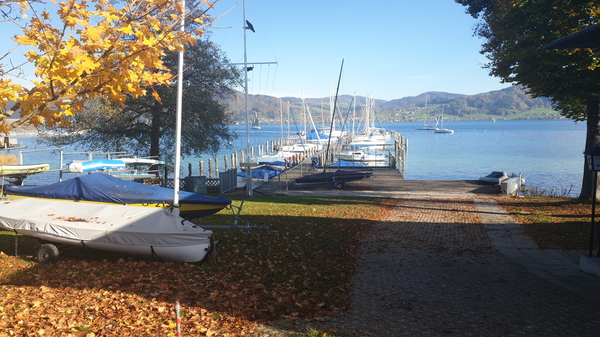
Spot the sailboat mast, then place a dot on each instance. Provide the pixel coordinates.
(177, 169)
(281, 116)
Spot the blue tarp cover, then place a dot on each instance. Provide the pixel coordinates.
(260, 174)
(105, 188)
(273, 163)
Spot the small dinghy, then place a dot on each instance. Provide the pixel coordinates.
(496, 177)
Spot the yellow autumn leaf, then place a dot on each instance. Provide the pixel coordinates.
(85, 63)
(126, 29)
(94, 33)
(25, 40)
(156, 97)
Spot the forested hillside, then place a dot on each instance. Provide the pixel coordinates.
(509, 103)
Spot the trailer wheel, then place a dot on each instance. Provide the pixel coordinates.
(339, 186)
(47, 253)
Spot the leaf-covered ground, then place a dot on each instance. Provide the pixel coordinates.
(297, 268)
(553, 222)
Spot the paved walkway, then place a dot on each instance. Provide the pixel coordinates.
(449, 261)
(462, 267)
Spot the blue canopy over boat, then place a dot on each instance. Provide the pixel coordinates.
(100, 187)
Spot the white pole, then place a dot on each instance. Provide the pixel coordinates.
(177, 168)
(248, 168)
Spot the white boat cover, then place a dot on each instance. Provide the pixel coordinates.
(128, 229)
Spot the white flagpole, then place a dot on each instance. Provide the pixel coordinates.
(177, 168)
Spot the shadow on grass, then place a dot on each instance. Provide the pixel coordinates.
(553, 222)
(299, 267)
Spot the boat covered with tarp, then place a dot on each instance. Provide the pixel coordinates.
(103, 188)
(141, 231)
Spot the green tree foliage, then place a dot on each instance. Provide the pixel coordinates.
(146, 126)
(515, 33)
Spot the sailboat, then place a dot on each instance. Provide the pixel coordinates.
(442, 129)
(255, 124)
(150, 232)
(340, 177)
(425, 126)
(371, 135)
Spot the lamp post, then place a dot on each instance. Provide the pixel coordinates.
(592, 159)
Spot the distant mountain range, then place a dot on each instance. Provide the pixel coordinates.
(508, 103)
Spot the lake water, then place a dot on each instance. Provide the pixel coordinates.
(549, 153)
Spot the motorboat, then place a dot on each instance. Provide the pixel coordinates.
(106, 189)
(148, 232)
(496, 177)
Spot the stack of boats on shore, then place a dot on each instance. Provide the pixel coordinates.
(112, 212)
(127, 168)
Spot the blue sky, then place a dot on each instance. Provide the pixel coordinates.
(391, 48)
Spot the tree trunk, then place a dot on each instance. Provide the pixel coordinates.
(592, 140)
(155, 132)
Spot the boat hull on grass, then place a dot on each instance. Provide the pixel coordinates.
(105, 189)
(145, 232)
